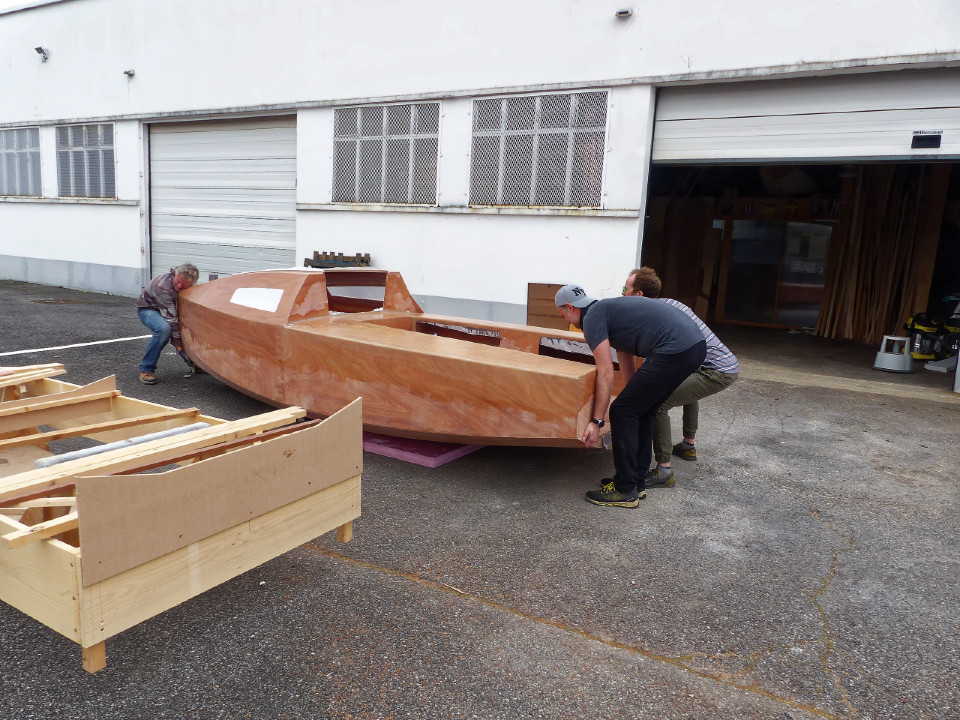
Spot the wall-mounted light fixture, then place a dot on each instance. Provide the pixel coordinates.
(42, 52)
(624, 13)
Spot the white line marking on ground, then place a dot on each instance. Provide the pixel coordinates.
(64, 347)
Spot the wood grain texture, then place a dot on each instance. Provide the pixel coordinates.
(122, 601)
(159, 513)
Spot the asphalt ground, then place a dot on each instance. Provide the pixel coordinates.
(805, 567)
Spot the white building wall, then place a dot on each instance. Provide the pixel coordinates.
(478, 261)
(192, 55)
(220, 58)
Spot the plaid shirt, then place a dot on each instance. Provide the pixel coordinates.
(161, 295)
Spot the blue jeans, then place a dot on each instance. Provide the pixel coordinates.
(161, 336)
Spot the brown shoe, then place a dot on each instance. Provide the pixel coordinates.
(148, 378)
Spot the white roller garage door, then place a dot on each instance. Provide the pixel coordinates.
(223, 195)
(831, 119)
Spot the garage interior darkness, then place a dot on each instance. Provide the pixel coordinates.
(843, 251)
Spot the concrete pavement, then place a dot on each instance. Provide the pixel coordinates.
(804, 568)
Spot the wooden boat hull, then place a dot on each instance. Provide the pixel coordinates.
(279, 336)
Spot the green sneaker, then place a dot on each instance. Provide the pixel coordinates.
(685, 451)
(656, 477)
(609, 495)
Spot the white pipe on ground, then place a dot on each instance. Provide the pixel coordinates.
(56, 459)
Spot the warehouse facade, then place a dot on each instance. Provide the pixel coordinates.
(476, 149)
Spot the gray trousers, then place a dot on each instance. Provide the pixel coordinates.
(703, 383)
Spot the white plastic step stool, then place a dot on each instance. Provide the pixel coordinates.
(894, 355)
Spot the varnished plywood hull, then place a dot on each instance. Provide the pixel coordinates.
(490, 388)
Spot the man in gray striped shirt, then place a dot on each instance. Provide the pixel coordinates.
(719, 370)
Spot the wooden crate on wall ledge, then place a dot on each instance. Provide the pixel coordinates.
(92, 543)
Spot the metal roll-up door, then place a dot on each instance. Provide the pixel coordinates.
(826, 119)
(223, 195)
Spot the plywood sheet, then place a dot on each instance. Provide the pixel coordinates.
(122, 601)
(541, 306)
(158, 513)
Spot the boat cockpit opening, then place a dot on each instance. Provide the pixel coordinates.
(460, 332)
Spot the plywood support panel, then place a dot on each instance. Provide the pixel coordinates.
(131, 457)
(124, 600)
(159, 513)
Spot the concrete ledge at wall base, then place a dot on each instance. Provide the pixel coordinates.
(90, 277)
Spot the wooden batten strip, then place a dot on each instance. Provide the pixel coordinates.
(18, 378)
(210, 451)
(41, 531)
(45, 402)
(41, 366)
(46, 502)
(138, 455)
(96, 428)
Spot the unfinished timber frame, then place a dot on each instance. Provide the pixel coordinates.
(171, 504)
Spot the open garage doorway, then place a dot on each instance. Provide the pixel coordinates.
(847, 251)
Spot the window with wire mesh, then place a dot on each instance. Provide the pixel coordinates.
(386, 154)
(20, 161)
(538, 150)
(85, 161)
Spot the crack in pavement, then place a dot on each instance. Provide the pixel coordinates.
(608, 642)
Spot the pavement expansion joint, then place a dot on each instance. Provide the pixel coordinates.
(675, 661)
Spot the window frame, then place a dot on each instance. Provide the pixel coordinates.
(20, 169)
(353, 183)
(539, 135)
(86, 164)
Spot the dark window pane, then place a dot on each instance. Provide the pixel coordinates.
(555, 111)
(79, 173)
(591, 110)
(587, 172)
(551, 169)
(370, 165)
(345, 122)
(485, 163)
(486, 114)
(425, 171)
(428, 118)
(520, 112)
(518, 159)
(109, 175)
(398, 120)
(34, 188)
(371, 121)
(344, 172)
(64, 178)
(398, 166)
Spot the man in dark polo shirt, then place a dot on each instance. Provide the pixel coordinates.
(671, 346)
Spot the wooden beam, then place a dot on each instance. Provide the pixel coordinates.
(97, 397)
(41, 531)
(138, 455)
(96, 428)
(94, 657)
(212, 451)
(19, 378)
